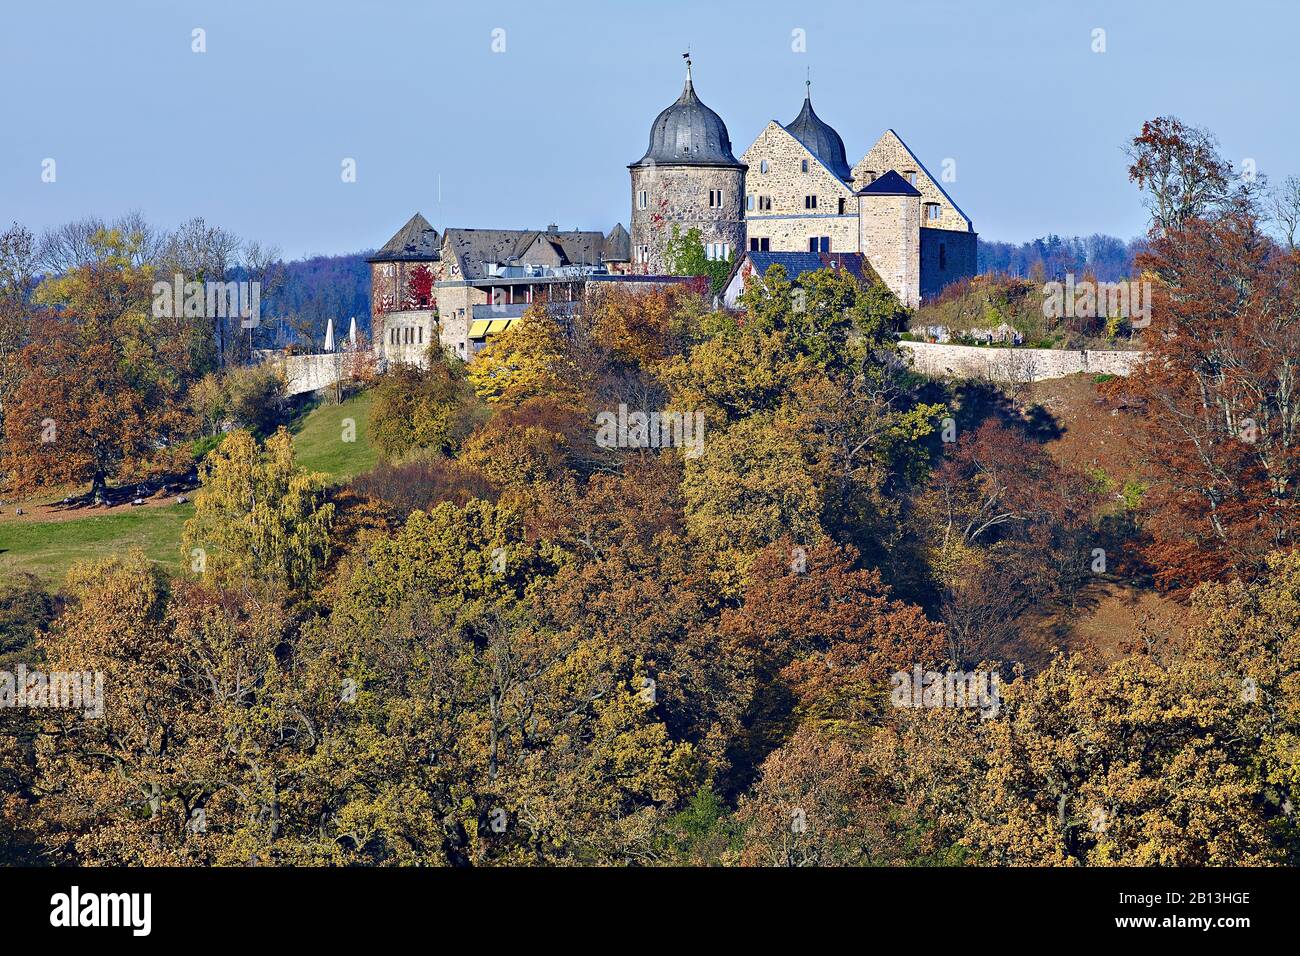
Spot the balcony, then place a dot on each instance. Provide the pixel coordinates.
(514, 310)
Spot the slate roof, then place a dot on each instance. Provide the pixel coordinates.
(890, 184)
(688, 133)
(474, 249)
(618, 244)
(797, 263)
(417, 241)
(820, 139)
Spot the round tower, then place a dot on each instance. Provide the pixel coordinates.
(687, 178)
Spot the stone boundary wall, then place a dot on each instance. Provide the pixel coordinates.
(1015, 365)
(307, 373)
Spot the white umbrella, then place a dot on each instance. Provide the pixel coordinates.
(352, 333)
(329, 336)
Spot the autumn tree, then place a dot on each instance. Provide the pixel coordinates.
(530, 359)
(1217, 421)
(421, 407)
(258, 516)
(81, 413)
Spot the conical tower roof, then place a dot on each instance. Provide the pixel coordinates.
(820, 139)
(688, 133)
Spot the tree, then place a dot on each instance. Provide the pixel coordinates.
(419, 408)
(257, 516)
(1285, 207)
(1180, 169)
(529, 360)
(1217, 418)
(82, 413)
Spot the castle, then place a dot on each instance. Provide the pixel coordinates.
(791, 191)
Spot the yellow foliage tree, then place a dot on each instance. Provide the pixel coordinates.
(258, 516)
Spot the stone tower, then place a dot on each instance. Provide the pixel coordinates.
(889, 230)
(688, 178)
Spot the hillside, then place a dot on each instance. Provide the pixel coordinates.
(50, 537)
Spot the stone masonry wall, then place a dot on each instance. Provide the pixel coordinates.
(789, 223)
(1015, 365)
(679, 195)
(958, 258)
(890, 153)
(890, 239)
(405, 335)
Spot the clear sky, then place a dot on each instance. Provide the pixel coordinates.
(253, 133)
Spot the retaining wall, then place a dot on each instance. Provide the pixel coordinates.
(1015, 365)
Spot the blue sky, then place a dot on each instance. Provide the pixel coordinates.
(252, 133)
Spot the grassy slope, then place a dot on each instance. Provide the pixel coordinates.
(318, 440)
(48, 548)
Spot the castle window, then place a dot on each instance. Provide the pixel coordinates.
(762, 166)
(749, 202)
(803, 165)
(932, 211)
(844, 205)
(760, 244)
(717, 251)
(910, 176)
(870, 175)
(764, 203)
(421, 332)
(715, 198)
(809, 202)
(642, 200)
(819, 244)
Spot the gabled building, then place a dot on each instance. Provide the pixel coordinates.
(799, 195)
(796, 265)
(948, 241)
(482, 282)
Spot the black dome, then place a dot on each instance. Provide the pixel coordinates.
(822, 141)
(688, 133)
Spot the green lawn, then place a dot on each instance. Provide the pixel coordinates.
(319, 445)
(48, 548)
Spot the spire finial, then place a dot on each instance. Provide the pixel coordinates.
(687, 57)
(807, 83)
